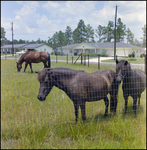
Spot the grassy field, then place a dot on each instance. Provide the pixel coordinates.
(27, 123)
(131, 60)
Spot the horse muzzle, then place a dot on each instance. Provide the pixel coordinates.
(41, 97)
(118, 79)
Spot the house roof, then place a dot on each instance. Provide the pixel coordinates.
(103, 45)
(33, 45)
(15, 46)
(29, 46)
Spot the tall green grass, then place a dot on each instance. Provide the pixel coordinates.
(27, 123)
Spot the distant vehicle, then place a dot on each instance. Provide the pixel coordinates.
(20, 52)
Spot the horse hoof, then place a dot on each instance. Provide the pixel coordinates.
(105, 115)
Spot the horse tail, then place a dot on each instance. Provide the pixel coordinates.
(49, 61)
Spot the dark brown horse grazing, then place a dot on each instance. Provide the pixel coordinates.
(80, 86)
(134, 82)
(33, 57)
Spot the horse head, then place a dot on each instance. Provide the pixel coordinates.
(19, 66)
(46, 83)
(122, 68)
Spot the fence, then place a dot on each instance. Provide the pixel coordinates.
(83, 59)
(23, 112)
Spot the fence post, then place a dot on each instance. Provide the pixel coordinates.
(56, 58)
(116, 57)
(145, 62)
(81, 58)
(67, 58)
(98, 61)
(88, 60)
(72, 59)
(84, 60)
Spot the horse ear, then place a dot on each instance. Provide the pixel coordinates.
(126, 62)
(117, 61)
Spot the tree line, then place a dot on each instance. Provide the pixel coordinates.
(85, 33)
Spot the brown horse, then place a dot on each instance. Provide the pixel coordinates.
(33, 57)
(81, 87)
(134, 82)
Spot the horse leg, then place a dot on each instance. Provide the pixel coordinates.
(82, 106)
(31, 67)
(26, 64)
(45, 65)
(106, 104)
(112, 104)
(139, 100)
(113, 98)
(76, 106)
(115, 105)
(126, 103)
(134, 104)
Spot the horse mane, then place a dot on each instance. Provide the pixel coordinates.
(64, 71)
(59, 72)
(23, 55)
(128, 64)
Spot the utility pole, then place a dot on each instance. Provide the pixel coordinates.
(12, 40)
(115, 33)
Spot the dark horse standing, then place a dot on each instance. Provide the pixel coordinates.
(134, 82)
(33, 57)
(80, 86)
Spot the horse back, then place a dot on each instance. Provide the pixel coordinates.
(139, 78)
(109, 76)
(135, 83)
(89, 86)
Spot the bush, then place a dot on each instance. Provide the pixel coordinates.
(130, 55)
(56, 53)
(141, 55)
(90, 54)
(75, 54)
(133, 54)
(104, 53)
(132, 59)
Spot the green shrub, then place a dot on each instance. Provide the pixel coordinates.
(133, 54)
(90, 54)
(104, 53)
(141, 55)
(132, 59)
(75, 54)
(130, 55)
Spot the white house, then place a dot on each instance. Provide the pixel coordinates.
(38, 47)
(122, 49)
(26, 47)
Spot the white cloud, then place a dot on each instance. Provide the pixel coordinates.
(45, 18)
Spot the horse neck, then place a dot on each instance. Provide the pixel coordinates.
(62, 81)
(128, 76)
(21, 60)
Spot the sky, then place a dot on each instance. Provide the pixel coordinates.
(41, 19)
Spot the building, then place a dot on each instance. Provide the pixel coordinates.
(122, 49)
(26, 47)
